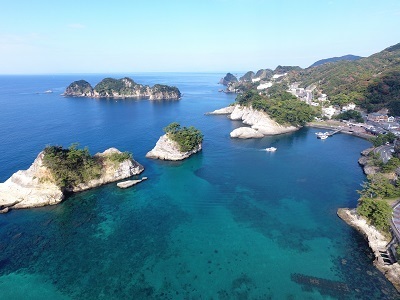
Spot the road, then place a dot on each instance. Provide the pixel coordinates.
(384, 152)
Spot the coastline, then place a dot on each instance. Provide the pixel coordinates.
(376, 241)
(337, 127)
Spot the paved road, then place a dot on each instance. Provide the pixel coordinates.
(384, 152)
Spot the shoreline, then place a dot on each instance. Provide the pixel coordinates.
(376, 241)
(364, 136)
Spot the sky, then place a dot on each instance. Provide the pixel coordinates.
(84, 36)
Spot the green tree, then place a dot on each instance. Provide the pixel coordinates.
(350, 115)
(187, 138)
(382, 139)
(378, 186)
(378, 212)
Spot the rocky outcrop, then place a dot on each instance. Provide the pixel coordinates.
(246, 133)
(223, 111)
(366, 162)
(167, 149)
(30, 188)
(80, 88)
(229, 78)
(260, 122)
(111, 172)
(128, 183)
(122, 89)
(377, 242)
(36, 186)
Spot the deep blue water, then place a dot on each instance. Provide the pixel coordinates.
(232, 222)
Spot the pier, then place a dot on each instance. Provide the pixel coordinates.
(325, 135)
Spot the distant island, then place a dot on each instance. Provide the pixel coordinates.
(121, 89)
(57, 172)
(177, 143)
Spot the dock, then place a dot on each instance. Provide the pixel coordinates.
(324, 135)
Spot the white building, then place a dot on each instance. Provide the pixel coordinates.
(350, 106)
(329, 112)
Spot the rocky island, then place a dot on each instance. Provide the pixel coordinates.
(177, 143)
(121, 89)
(57, 172)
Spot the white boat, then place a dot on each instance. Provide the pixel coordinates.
(48, 92)
(271, 149)
(323, 137)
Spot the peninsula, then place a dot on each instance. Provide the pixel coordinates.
(177, 143)
(57, 172)
(276, 113)
(121, 89)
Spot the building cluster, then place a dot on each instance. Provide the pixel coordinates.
(304, 94)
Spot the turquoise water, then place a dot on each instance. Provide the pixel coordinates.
(232, 222)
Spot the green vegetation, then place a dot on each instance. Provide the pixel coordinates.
(379, 186)
(378, 212)
(229, 77)
(108, 86)
(166, 89)
(382, 139)
(71, 166)
(372, 82)
(79, 87)
(74, 166)
(282, 106)
(116, 157)
(352, 115)
(187, 138)
(372, 204)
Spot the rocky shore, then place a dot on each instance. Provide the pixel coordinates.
(365, 162)
(377, 242)
(35, 187)
(260, 122)
(167, 149)
(122, 89)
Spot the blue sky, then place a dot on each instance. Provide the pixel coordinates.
(42, 37)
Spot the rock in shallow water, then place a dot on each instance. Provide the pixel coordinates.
(129, 183)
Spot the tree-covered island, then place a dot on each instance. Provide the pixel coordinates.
(57, 171)
(121, 89)
(177, 143)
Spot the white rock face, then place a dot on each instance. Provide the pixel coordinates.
(167, 149)
(112, 173)
(223, 111)
(36, 187)
(246, 133)
(377, 242)
(30, 188)
(259, 121)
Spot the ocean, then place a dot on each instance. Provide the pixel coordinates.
(231, 222)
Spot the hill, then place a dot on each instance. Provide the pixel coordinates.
(348, 57)
(372, 82)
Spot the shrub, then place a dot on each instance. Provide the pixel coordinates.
(71, 166)
(187, 138)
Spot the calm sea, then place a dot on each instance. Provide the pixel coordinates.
(232, 222)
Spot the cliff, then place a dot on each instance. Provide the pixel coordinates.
(260, 122)
(376, 241)
(167, 149)
(36, 186)
(121, 89)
